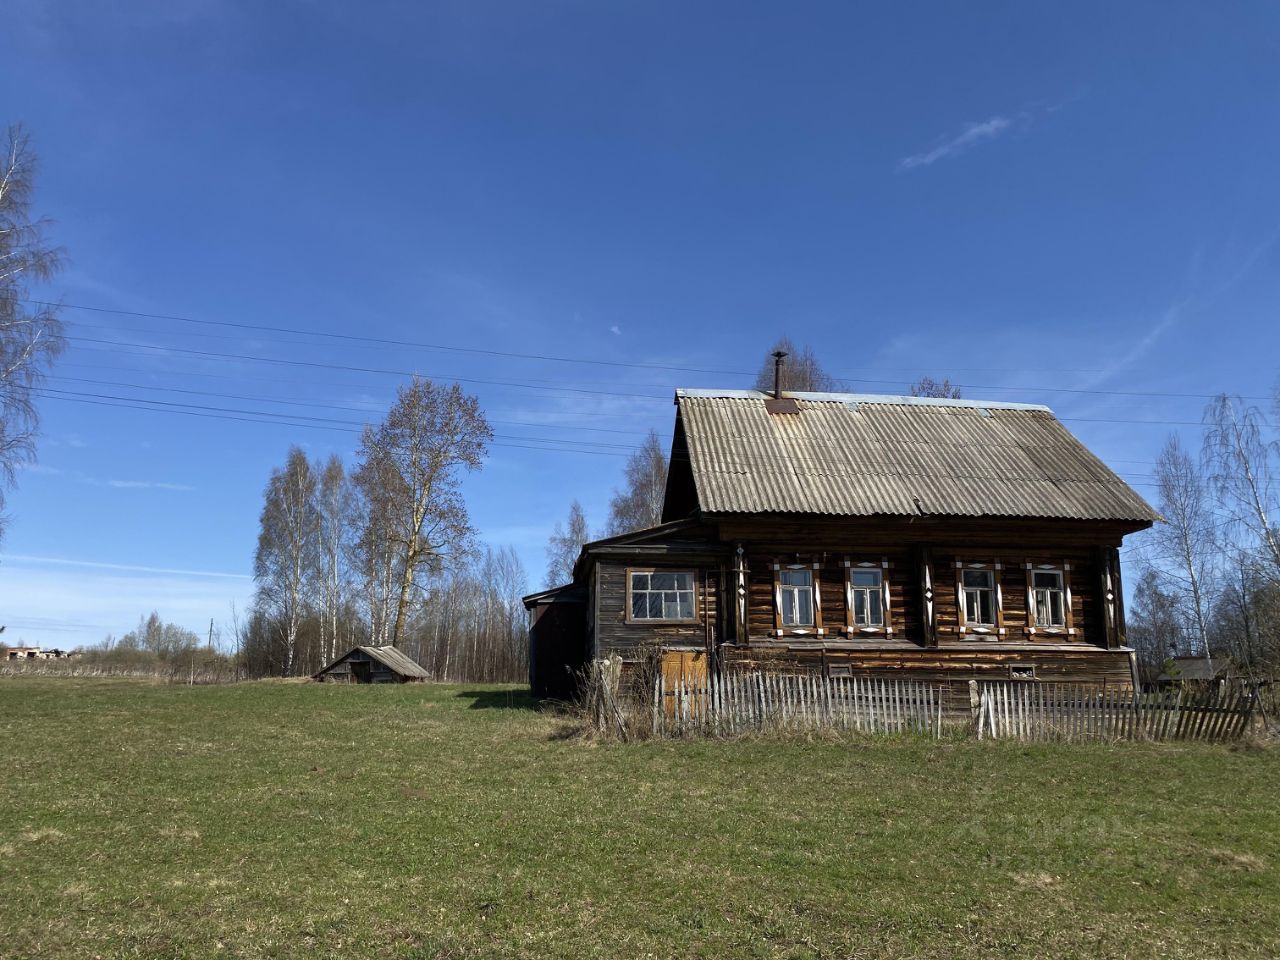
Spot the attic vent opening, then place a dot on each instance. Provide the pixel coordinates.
(778, 404)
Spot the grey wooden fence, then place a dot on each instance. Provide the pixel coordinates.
(738, 701)
(1015, 710)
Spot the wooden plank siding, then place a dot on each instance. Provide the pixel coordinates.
(632, 640)
(952, 666)
(897, 548)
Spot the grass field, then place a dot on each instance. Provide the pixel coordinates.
(292, 820)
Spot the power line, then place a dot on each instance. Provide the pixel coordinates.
(384, 341)
(211, 355)
(314, 405)
(311, 426)
(47, 391)
(222, 413)
(275, 381)
(574, 413)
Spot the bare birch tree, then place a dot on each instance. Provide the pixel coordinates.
(1155, 630)
(30, 333)
(410, 476)
(639, 505)
(801, 370)
(1240, 463)
(287, 543)
(1185, 542)
(335, 507)
(564, 546)
(928, 387)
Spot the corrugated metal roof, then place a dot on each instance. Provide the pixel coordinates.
(397, 660)
(868, 455)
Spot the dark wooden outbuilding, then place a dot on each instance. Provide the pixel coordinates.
(557, 641)
(372, 665)
(860, 535)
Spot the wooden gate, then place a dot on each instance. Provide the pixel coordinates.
(683, 669)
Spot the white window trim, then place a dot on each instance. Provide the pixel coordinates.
(799, 629)
(1063, 570)
(886, 628)
(982, 630)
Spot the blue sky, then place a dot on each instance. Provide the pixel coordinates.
(1019, 196)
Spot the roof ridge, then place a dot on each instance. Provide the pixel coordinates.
(703, 393)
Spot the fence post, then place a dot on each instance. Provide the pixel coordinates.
(975, 707)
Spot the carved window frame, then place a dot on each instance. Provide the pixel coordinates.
(814, 629)
(967, 628)
(852, 629)
(1034, 628)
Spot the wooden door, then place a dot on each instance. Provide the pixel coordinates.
(684, 670)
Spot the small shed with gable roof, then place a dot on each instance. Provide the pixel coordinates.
(372, 665)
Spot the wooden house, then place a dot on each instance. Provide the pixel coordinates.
(938, 540)
(372, 665)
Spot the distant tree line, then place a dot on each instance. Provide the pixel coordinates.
(161, 649)
(1209, 577)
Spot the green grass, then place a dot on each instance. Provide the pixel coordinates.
(292, 820)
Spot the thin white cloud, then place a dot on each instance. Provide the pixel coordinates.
(80, 477)
(122, 567)
(616, 330)
(970, 136)
(41, 469)
(149, 485)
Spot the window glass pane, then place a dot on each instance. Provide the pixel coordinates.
(788, 608)
(639, 606)
(684, 581)
(804, 606)
(865, 578)
(655, 605)
(874, 617)
(1056, 610)
(860, 608)
(1049, 580)
(987, 606)
(796, 578)
(662, 581)
(639, 581)
(978, 578)
(686, 606)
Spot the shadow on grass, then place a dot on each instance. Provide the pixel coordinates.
(499, 699)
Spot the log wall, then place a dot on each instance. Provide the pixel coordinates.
(913, 651)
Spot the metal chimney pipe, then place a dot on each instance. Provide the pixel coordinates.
(778, 356)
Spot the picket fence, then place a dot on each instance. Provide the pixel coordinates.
(1011, 710)
(737, 701)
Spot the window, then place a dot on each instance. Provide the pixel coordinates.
(866, 598)
(1048, 598)
(978, 597)
(661, 595)
(795, 597)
